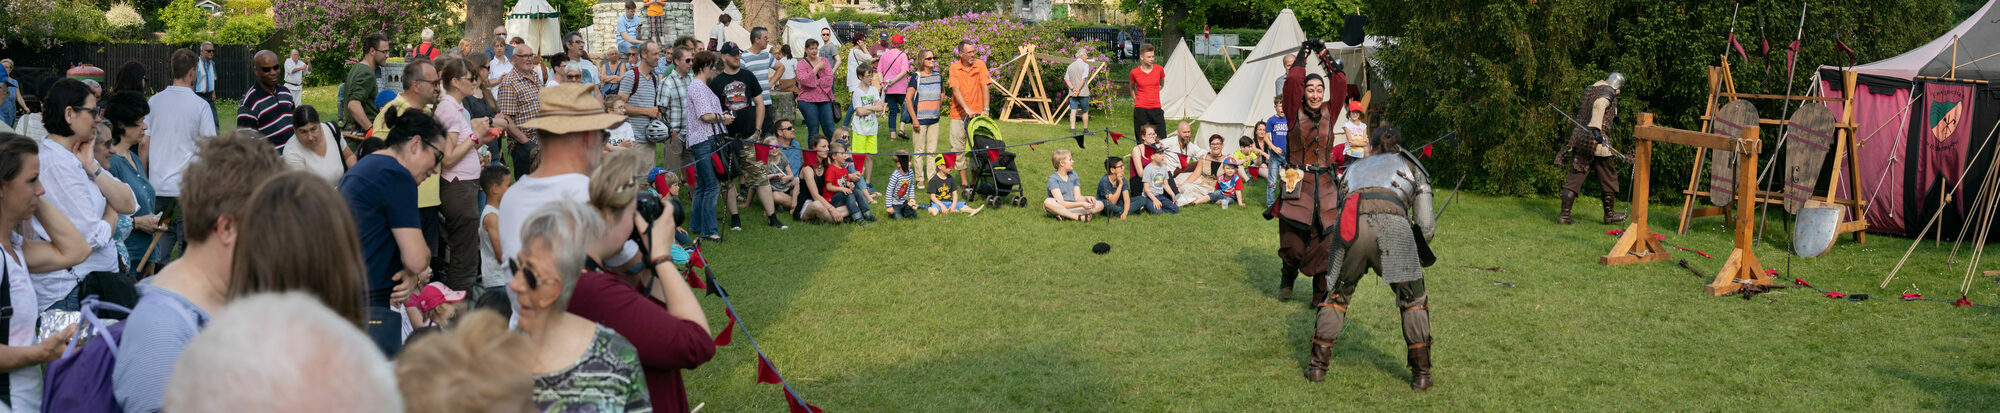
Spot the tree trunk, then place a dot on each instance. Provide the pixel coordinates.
(766, 14)
(1170, 30)
(481, 16)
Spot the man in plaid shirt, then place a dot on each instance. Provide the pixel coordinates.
(521, 101)
(673, 106)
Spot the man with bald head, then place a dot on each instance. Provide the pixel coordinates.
(267, 107)
(520, 94)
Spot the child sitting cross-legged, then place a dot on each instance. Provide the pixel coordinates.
(1066, 200)
(944, 192)
(1114, 193)
(902, 189)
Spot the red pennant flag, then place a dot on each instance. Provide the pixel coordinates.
(695, 260)
(693, 281)
(811, 158)
(1962, 302)
(723, 338)
(792, 399)
(860, 159)
(687, 175)
(1614, 232)
(1801, 281)
(1835, 294)
(950, 161)
(1703, 254)
(993, 155)
(1427, 151)
(766, 373)
(1256, 173)
(1660, 237)
(763, 154)
(1183, 158)
(1738, 46)
(1913, 296)
(716, 158)
(1771, 272)
(1115, 136)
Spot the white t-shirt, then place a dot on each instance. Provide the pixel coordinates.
(295, 78)
(719, 34)
(866, 125)
(855, 58)
(499, 66)
(491, 272)
(330, 166)
(619, 135)
(530, 193)
(791, 69)
(179, 120)
(24, 385)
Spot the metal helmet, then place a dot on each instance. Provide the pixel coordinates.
(1617, 80)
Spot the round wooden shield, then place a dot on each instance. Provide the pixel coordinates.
(1807, 138)
(1730, 121)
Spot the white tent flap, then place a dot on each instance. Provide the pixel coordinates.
(1186, 92)
(537, 23)
(1247, 98)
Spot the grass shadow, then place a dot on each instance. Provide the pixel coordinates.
(1030, 377)
(1954, 394)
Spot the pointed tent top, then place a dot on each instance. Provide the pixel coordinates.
(1976, 37)
(1247, 97)
(1186, 93)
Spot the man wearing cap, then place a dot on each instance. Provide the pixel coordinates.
(895, 67)
(571, 123)
(742, 96)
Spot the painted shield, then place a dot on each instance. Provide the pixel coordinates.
(1807, 138)
(1815, 230)
(1731, 121)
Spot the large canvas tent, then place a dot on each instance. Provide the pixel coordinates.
(1913, 148)
(1246, 99)
(537, 23)
(798, 30)
(1186, 93)
(706, 15)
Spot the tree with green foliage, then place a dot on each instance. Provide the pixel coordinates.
(1488, 70)
(1185, 18)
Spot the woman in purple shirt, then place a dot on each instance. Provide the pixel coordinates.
(815, 77)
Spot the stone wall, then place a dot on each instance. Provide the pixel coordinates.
(602, 34)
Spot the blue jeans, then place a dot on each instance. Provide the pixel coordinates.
(819, 118)
(895, 115)
(1271, 173)
(701, 220)
(1166, 206)
(385, 328)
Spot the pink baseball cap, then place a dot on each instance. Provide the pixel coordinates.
(435, 294)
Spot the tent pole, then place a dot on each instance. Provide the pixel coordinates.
(1919, 240)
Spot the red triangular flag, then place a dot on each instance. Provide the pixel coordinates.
(695, 260)
(766, 373)
(1801, 281)
(1427, 151)
(1913, 296)
(1835, 294)
(993, 155)
(861, 159)
(792, 399)
(1115, 136)
(687, 175)
(693, 281)
(1183, 159)
(950, 161)
(716, 159)
(763, 154)
(723, 338)
(1768, 271)
(1962, 302)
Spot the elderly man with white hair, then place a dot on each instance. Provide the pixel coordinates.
(282, 352)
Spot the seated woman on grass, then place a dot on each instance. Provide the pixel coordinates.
(944, 193)
(1203, 176)
(1149, 143)
(813, 205)
(1066, 200)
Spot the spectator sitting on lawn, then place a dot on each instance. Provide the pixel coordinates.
(1160, 191)
(1149, 143)
(814, 204)
(1228, 188)
(1247, 155)
(1113, 192)
(784, 184)
(1066, 200)
(843, 186)
(944, 192)
(1204, 174)
(902, 188)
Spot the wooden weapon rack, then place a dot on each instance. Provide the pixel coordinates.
(1638, 244)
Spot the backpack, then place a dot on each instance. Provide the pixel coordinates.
(80, 381)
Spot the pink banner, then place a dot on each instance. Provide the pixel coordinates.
(1945, 107)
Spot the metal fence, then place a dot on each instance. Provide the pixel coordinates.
(36, 68)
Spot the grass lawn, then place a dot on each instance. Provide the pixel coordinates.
(1009, 311)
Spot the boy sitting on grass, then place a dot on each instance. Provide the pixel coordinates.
(902, 189)
(1066, 200)
(1112, 191)
(1160, 191)
(944, 193)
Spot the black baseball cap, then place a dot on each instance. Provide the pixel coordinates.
(729, 48)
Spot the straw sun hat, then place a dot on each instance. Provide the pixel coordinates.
(571, 108)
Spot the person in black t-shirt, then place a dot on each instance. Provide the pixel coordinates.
(944, 193)
(742, 97)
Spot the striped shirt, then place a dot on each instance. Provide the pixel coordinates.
(759, 64)
(521, 97)
(643, 91)
(269, 112)
(930, 96)
(674, 100)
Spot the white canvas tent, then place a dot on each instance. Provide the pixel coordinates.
(537, 23)
(1186, 92)
(1246, 99)
(798, 30)
(706, 15)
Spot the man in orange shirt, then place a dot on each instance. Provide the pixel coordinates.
(968, 97)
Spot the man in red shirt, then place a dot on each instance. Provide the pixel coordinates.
(1146, 81)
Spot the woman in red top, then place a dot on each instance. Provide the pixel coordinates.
(1146, 80)
(814, 204)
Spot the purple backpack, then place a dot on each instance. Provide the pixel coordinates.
(80, 381)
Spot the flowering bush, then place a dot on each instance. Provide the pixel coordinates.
(124, 20)
(998, 38)
(48, 23)
(328, 33)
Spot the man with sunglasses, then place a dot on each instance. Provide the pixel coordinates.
(204, 74)
(520, 93)
(357, 96)
(673, 104)
(267, 107)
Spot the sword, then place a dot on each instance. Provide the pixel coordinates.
(1599, 134)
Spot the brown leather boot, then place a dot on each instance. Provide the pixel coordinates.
(1420, 368)
(1611, 214)
(1285, 294)
(1318, 297)
(1563, 218)
(1321, 356)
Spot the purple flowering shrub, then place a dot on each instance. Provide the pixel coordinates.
(999, 38)
(328, 33)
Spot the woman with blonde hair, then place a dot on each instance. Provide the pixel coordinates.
(476, 367)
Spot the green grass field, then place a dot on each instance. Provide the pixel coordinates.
(1009, 311)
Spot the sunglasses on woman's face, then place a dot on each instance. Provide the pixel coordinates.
(527, 274)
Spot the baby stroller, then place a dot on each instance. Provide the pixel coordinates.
(994, 177)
